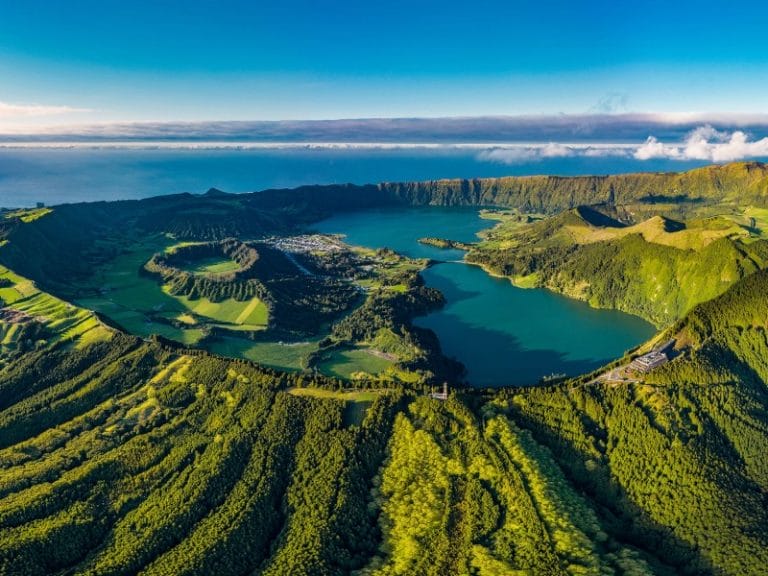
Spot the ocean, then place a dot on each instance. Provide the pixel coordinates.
(85, 174)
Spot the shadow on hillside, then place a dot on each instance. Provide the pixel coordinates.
(626, 522)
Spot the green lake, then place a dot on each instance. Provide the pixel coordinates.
(503, 335)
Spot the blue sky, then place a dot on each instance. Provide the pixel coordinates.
(106, 61)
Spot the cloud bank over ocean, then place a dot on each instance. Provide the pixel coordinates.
(505, 140)
(706, 143)
(703, 143)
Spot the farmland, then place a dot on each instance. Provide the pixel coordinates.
(357, 362)
(213, 266)
(31, 312)
(191, 296)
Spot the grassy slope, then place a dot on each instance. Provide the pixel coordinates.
(248, 314)
(349, 363)
(61, 321)
(291, 356)
(658, 268)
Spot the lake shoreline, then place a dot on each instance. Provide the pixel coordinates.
(504, 337)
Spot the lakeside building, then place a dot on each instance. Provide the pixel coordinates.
(653, 359)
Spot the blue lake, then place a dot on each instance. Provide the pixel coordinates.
(504, 335)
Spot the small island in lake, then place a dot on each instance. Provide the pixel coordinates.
(445, 243)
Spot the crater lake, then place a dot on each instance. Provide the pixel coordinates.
(504, 335)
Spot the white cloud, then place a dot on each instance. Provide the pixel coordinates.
(698, 144)
(523, 153)
(706, 143)
(8, 110)
(555, 150)
(509, 155)
(515, 154)
(735, 147)
(652, 148)
(606, 151)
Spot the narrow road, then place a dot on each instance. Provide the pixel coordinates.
(292, 258)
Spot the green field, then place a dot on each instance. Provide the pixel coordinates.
(273, 354)
(347, 396)
(128, 298)
(347, 363)
(758, 219)
(131, 300)
(249, 314)
(213, 265)
(64, 321)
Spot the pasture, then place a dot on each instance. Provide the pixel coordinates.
(273, 354)
(142, 306)
(63, 321)
(348, 363)
(213, 265)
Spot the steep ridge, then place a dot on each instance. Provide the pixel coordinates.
(745, 182)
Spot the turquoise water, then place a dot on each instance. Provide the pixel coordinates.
(503, 335)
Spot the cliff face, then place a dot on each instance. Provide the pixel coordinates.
(744, 181)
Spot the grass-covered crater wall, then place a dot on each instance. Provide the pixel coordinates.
(172, 266)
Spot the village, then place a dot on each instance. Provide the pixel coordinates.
(307, 243)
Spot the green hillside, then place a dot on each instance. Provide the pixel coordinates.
(658, 269)
(638, 195)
